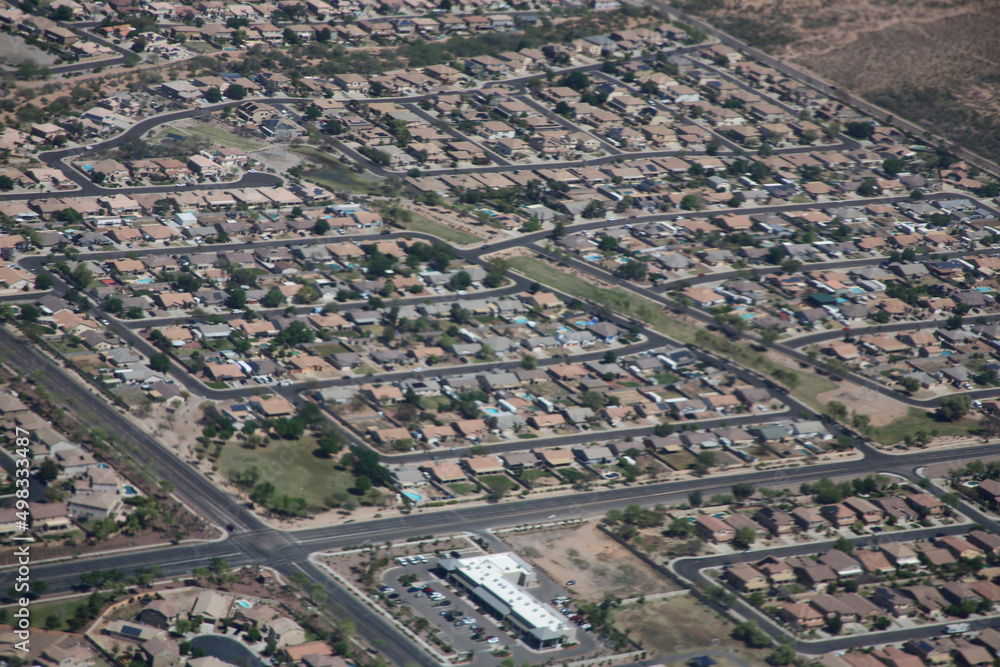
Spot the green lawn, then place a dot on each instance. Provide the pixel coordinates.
(809, 385)
(619, 300)
(421, 224)
(535, 474)
(463, 489)
(434, 402)
(336, 176)
(293, 468)
(915, 420)
(214, 134)
(329, 348)
(573, 475)
(64, 609)
(679, 460)
(499, 482)
(666, 378)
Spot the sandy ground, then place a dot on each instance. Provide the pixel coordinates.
(14, 50)
(598, 564)
(682, 624)
(177, 431)
(880, 408)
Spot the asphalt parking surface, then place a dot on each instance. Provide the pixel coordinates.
(461, 638)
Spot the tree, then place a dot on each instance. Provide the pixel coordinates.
(578, 81)
(750, 633)
(213, 95)
(869, 188)
(791, 265)
(837, 410)
(461, 280)
(745, 537)
(910, 384)
(680, 527)
(633, 269)
(844, 544)
(783, 654)
(695, 498)
(366, 463)
(159, 362)
(273, 298)
(953, 408)
(691, 203)
(237, 298)
(742, 490)
(236, 92)
(859, 129)
(594, 209)
(861, 422)
(330, 444)
(563, 109)
(49, 470)
(529, 362)
(262, 493)
(29, 313)
(362, 484)
(893, 166)
(44, 281)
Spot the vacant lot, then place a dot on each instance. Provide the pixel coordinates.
(336, 176)
(931, 61)
(882, 409)
(681, 624)
(293, 468)
(216, 135)
(598, 564)
(917, 419)
(420, 223)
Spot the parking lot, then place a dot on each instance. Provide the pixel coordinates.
(460, 625)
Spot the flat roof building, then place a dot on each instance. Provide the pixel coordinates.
(497, 583)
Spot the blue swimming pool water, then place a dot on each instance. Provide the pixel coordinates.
(415, 497)
(144, 280)
(129, 490)
(491, 411)
(521, 320)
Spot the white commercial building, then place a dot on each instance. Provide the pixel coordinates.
(497, 583)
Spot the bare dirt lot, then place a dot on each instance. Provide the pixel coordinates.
(882, 409)
(931, 61)
(682, 624)
(598, 564)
